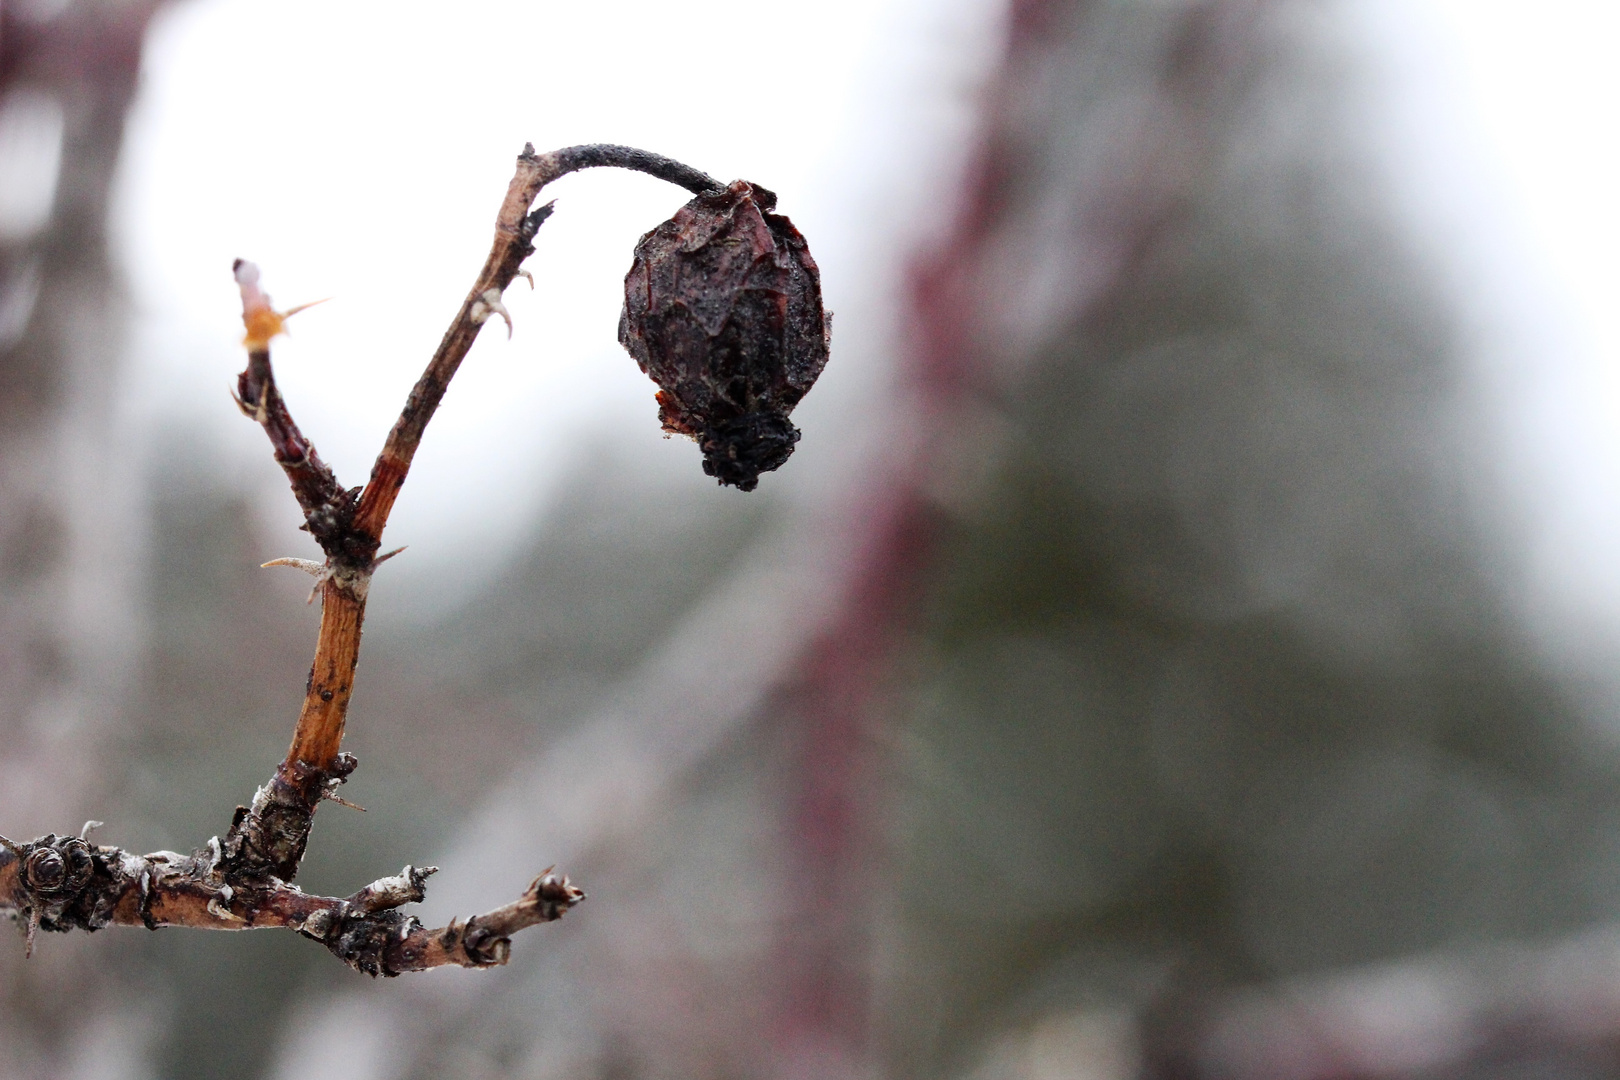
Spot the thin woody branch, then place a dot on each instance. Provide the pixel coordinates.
(515, 228)
(242, 880)
(359, 529)
(69, 884)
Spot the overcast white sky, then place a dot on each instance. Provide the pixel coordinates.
(358, 151)
(1502, 123)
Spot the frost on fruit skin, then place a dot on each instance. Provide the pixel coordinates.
(722, 307)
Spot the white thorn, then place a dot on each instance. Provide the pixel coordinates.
(308, 566)
(320, 571)
(89, 825)
(379, 560)
(290, 312)
(526, 276)
(489, 303)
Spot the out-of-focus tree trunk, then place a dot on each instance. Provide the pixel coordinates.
(1219, 678)
(69, 513)
(67, 75)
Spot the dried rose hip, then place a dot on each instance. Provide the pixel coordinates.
(722, 307)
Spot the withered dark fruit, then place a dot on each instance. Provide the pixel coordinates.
(722, 307)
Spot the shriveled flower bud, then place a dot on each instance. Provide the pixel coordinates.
(722, 307)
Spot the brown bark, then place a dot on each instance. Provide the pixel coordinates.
(326, 702)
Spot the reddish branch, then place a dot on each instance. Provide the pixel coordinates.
(243, 881)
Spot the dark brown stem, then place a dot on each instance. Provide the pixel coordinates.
(599, 155)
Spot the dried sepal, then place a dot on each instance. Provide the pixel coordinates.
(261, 320)
(722, 307)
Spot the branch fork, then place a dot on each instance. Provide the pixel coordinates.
(244, 879)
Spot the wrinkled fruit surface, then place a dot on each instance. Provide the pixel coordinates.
(722, 307)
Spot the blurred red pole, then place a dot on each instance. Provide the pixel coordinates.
(963, 358)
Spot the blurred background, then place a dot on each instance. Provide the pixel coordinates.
(1184, 646)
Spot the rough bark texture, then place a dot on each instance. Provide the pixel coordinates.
(66, 883)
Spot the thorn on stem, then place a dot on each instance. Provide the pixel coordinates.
(489, 303)
(33, 928)
(89, 826)
(321, 572)
(308, 566)
(290, 312)
(341, 801)
(379, 560)
(262, 321)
